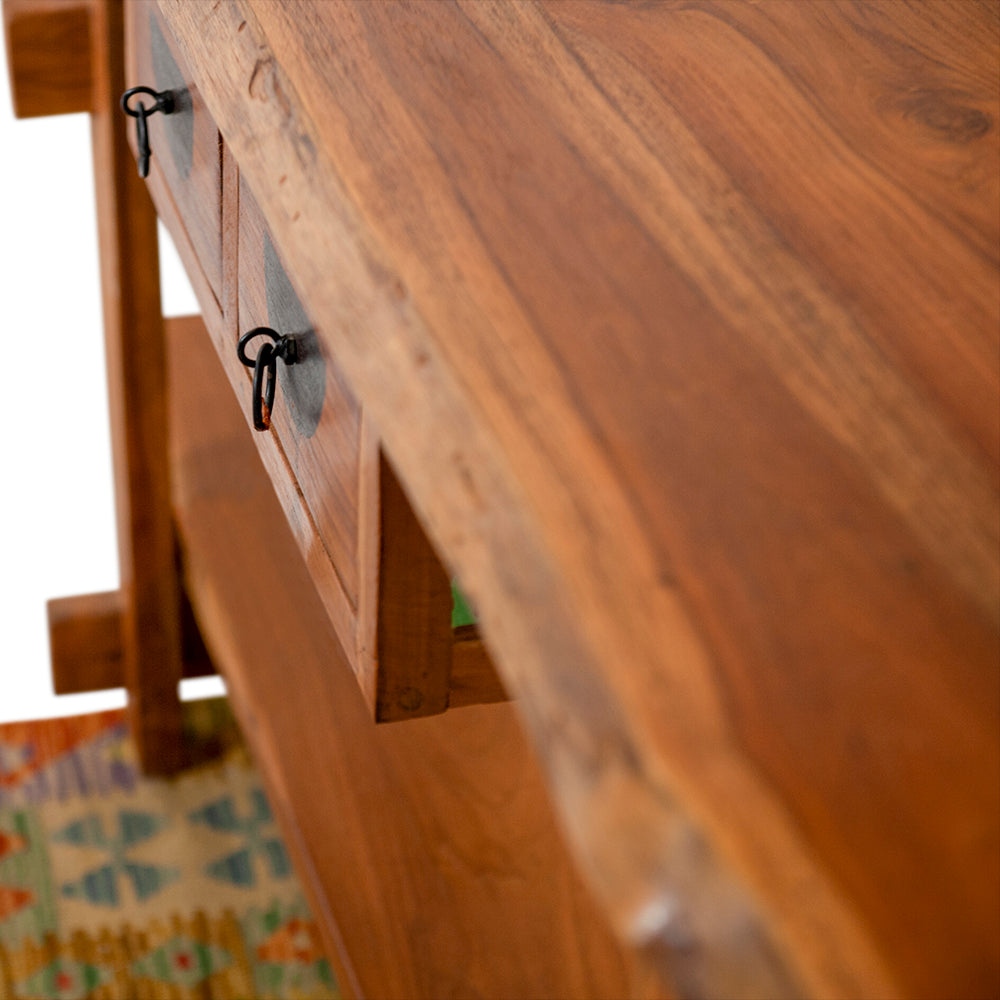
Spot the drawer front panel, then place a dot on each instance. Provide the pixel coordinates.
(316, 417)
(185, 144)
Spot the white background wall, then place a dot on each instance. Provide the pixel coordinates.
(57, 529)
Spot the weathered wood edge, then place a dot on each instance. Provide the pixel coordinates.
(366, 629)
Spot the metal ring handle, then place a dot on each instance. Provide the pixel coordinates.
(266, 360)
(263, 402)
(257, 331)
(162, 101)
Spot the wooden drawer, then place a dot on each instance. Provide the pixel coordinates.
(185, 177)
(384, 588)
(316, 417)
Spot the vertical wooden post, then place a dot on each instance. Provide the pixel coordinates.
(413, 629)
(130, 286)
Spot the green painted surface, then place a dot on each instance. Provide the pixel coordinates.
(461, 613)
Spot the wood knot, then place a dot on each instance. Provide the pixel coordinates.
(257, 87)
(946, 114)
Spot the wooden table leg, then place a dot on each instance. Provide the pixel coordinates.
(151, 629)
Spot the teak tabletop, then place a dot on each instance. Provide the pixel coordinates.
(680, 324)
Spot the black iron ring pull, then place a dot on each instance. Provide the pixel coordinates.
(265, 362)
(162, 101)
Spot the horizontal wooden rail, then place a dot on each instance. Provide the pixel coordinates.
(85, 640)
(48, 56)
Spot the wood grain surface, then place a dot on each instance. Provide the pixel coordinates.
(428, 848)
(679, 322)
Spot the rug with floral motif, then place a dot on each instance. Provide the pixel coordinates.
(115, 885)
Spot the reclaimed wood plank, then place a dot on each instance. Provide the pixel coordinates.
(679, 323)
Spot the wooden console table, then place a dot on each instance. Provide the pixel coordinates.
(678, 327)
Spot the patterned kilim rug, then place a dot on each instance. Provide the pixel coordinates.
(112, 885)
